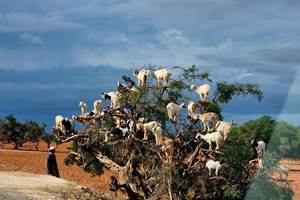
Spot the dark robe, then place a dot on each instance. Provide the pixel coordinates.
(51, 165)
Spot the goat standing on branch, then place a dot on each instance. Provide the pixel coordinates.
(174, 110)
(202, 90)
(128, 128)
(142, 76)
(225, 127)
(260, 147)
(58, 122)
(64, 125)
(147, 127)
(84, 109)
(211, 164)
(113, 97)
(98, 107)
(211, 137)
(158, 136)
(163, 74)
(208, 119)
(192, 106)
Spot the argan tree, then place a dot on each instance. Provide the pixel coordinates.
(13, 131)
(34, 133)
(176, 168)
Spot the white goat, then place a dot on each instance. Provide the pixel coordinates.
(174, 110)
(202, 90)
(211, 164)
(260, 147)
(192, 106)
(163, 74)
(208, 119)
(128, 128)
(113, 97)
(158, 136)
(142, 76)
(211, 137)
(58, 122)
(97, 107)
(147, 127)
(84, 109)
(64, 124)
(225, 127)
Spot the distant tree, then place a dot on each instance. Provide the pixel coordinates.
(3, 138)
(261, 129)
(286, 140)
(34, 132)
(13, 131)
(281, 137)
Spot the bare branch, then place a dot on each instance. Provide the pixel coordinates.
(74, 137)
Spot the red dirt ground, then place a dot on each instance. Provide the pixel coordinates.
(24, 160)
(294, 176)
(34, 162)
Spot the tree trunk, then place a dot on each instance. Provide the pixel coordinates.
(124, 174)
(36, 145)
(16, 145)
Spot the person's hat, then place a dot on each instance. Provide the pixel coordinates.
(52, 148)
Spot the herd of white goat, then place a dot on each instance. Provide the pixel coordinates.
(217, 131)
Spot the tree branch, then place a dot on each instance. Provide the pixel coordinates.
(74, 137)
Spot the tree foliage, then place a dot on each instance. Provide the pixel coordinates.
(282, 138)
(225, 91)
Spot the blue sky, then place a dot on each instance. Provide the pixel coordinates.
(55, 53)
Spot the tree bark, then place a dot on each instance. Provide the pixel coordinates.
(124, 174)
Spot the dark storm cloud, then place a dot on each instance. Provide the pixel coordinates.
(255, 41)
(46, 93)
(283, 55)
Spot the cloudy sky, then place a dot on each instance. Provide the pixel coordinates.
(55, 53)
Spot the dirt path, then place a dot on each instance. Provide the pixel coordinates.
(26, 186)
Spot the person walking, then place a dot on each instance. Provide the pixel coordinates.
(51, 164)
